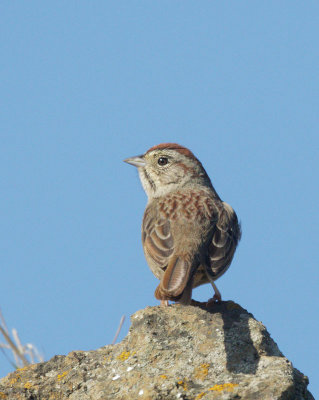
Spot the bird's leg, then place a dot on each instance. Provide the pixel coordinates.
(187, 294)
(217, 298)
(164, 303)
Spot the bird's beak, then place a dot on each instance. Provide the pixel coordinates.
(137, 161)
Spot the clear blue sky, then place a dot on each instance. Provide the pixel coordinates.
(86, 84)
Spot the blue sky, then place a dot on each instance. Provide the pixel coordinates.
(85, 85)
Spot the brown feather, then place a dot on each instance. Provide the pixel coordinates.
(162, 227)
(224, 241)
(189, 235)
(173, 146)
(175, 277)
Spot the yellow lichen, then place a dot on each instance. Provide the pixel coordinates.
(201, 372)
(163, 376)
(63, 375)
(15, 379)
(55, 396)
(125, 355)
(27, 385)
(21, 369)
(200, 395)
(3, 395)
(183, 383)
(229, 387)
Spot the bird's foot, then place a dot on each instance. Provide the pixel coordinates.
(216, 299)
(196, 303)
(164, 303)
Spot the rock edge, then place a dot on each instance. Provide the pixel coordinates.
(175, 352)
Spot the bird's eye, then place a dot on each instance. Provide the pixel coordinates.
(162, 161)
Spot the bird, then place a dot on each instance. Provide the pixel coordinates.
(189, 234)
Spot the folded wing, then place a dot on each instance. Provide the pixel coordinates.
(158, 243)
(224, 241)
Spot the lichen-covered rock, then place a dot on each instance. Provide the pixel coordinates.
(176, 352)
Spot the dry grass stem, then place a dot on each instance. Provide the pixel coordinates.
(23, 354)
(119, 329)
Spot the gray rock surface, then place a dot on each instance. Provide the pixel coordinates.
(176, 352)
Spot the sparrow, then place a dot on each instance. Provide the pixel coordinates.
(189, 234)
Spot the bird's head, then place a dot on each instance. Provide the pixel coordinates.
(168, 167)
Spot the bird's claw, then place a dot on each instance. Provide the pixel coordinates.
(216, 299)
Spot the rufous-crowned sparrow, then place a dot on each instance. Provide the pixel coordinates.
(189, 234)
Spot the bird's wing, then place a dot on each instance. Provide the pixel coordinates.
(159, 249)
(174, 245)
(224, 241)
(157, 238)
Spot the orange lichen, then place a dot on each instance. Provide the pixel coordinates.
(125, 355)
(229, 387)
(3, 395)
(21, 369)
(163, 376)
(183, 383)
(200, 395)
(27, 385)
(15, 379)
(63, 375)
(201, 372)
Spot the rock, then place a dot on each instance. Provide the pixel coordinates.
(176, 352)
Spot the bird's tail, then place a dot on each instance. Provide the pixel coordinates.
(175, 279)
